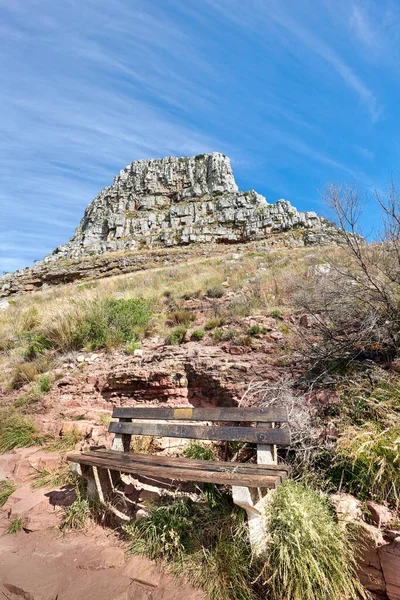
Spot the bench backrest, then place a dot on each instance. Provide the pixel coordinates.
(148, 423)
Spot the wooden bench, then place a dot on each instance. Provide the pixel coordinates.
(249, 481)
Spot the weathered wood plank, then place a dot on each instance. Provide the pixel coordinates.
(234, 414)
(255, 435)
(232, 475)
(190, 463)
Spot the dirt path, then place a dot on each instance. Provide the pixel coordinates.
(41, 563)
(47, 565)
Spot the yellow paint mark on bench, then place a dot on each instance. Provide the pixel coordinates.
(183, 413)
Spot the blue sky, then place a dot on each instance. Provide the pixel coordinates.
(296, 92)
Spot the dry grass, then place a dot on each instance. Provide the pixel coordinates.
(257, 282)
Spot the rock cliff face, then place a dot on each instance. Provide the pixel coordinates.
(177, 201)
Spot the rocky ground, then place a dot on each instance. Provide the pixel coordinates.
(42, 563)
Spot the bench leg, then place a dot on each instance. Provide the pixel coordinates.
(249, 500)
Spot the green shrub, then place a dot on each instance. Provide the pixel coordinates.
(199, 451)
(368, 459)
(6, 489)
(176, 336)
(213, 323)
(275, 314)
(132, 345)
(217, 335)
(254, 330)
(38, 344)
(231, 335)
(15, 525)
(44, 384)
(309, 555)
(216, 291)
(198, 334)
(17, 431)
(112, 323)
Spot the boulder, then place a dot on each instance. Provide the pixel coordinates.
(381, 515)
(347, 507)
(390, 560)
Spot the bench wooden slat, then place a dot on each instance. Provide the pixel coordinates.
(232, 475)
(261, 415)
(184, 463)
(255, 435)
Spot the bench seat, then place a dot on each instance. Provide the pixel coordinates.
(184, 469)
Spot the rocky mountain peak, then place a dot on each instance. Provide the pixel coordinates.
(176, 201)
(176, 178)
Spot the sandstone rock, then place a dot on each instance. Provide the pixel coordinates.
(84, 428)
(380, 514)
(143, 570)
(347, 507)
(24, 500)
(107, 558)
(42, 517)
(390, 560)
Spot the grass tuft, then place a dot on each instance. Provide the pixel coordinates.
(65, 443)
(17, 431)
(55, 478)
(6, 489)
(368, 458)
(15, 525)
(199, 451)
(77, 515)
(309, 555)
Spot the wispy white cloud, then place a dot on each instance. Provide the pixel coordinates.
(362, 26)
(88, 87)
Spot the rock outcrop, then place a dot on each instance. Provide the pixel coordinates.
(159, 204)
(174, 201)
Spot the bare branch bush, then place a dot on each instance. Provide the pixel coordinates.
(355, 306)
(305, 430)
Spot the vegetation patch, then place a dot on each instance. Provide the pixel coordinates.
(65, 443)
(17, 431)
(176, 336)
(216, 291)
(368, 459)
(310, 555)
(15, 525)
(199, 451)
(77, 515)
(112, 323)
(198, 334)
(54, 478)
(6, 489)
(209, 546)
(180, 317)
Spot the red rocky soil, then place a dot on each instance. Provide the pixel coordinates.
(42, 563)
